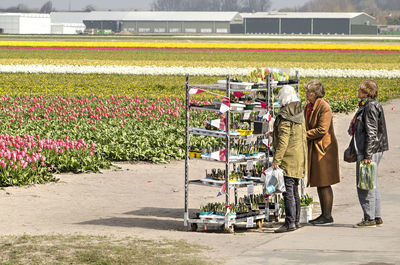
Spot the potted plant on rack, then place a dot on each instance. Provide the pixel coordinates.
(306, 204)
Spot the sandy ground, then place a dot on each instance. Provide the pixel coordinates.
(147, 200)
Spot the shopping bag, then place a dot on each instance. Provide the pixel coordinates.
(281, 181)
(268, 177)
(274, 177)
(366, 178)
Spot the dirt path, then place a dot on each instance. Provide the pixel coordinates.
(147, 200)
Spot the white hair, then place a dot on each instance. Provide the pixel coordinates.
(287, 95)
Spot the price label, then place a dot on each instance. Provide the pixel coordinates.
(249, 139)
(250, 189)
(249, 165)
(246, 116)
(265, 141)
(262, 113)
(267, 117)
(250, 222)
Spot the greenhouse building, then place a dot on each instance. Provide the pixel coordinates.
(307, 23)
(163, 22)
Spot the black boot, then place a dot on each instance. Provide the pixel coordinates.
(286, 228)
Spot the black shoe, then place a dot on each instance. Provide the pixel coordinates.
(323, 221)
(286, 228)
(378, 221)
(298, 225)
(313, 220)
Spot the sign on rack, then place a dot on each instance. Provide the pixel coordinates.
(249, 165)
(250, 222)
(249, 139)
(250, 189)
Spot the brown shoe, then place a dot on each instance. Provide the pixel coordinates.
(365, 223)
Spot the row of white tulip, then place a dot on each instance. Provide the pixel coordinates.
(207, 71)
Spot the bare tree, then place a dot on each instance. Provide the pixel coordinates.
(168, 5)
(89, 8)
(229, 5)
(212, 5)
(255, 5)
(47, 7)
(388, 4)
(19, 8)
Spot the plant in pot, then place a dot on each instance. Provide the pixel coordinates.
(306, 203)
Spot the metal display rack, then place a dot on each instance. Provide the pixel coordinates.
(228, 221)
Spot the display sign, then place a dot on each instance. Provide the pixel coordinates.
(249, 165)
(250, 189)
(249, 139)
(250, 222)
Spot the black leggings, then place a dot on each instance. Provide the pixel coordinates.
(325, 195)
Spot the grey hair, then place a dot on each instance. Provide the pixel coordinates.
(287, 95)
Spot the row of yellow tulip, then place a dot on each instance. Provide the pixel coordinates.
(156, 86)
(187, 63)
(203, 45)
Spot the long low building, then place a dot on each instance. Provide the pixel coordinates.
(307, 23)
(185, 22)
(25, 23)
(164, 22)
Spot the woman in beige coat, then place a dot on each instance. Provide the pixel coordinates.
(323, 159)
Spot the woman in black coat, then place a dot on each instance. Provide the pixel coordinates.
(369, 136)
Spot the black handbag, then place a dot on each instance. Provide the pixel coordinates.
(350, 154)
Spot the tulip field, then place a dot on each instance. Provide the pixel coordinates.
(79, 106)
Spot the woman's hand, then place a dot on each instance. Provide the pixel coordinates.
(367, 161)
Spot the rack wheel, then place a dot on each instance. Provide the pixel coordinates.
(277, 219)
(230, 229)
(193, 227)
(259, 224)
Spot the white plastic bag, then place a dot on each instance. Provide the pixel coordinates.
(274, 177)
(281, 181)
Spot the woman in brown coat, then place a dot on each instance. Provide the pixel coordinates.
(323, 159)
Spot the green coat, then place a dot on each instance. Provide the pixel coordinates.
(289, 141)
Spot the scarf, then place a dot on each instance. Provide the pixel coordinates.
(361, 105)
(309, 110)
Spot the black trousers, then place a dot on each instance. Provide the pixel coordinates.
(292, 200)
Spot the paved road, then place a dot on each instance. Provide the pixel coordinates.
(341, 243)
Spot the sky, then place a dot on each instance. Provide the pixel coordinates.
(117, 4)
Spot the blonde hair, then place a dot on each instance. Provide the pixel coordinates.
(370, 88)
(287, 95)
(316, 87)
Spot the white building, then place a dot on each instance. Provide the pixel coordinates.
(67, 22)
(25, 23)
(67, 28)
